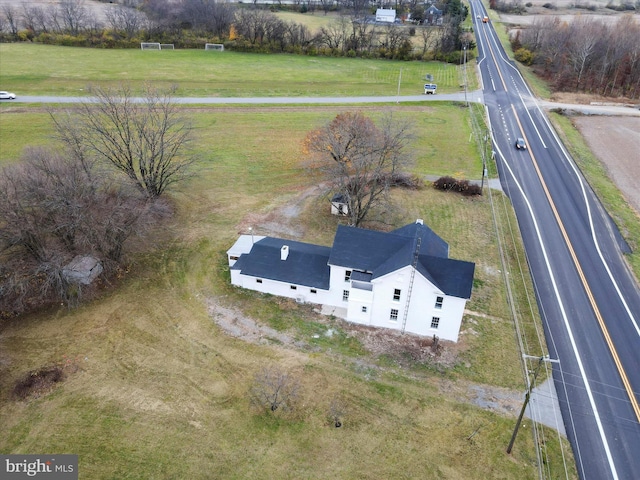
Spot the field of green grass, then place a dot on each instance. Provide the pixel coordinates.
(156, 389)
(52, 70)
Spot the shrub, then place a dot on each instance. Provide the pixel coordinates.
(524, 56)
(550, 6)
(460, 186)
(405, 180)
(274, 389)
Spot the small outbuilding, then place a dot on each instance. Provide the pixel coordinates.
(83, 269)
(339, 205)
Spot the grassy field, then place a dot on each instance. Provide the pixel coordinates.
(161, 392)
(313, 21)
(51, 70)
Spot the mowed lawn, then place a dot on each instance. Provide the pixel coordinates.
(161, 392)
(29, 69)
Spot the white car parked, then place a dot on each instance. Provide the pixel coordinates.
(7, 96)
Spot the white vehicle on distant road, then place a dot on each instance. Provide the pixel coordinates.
(7, 95)
(430, 88)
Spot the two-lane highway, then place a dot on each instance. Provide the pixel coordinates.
(587, 297)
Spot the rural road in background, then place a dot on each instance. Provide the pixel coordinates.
(473, 96)
(454, 97)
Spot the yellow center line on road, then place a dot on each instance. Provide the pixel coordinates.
(583, 279)
(495, 62)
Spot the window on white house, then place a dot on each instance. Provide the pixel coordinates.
(258, 280)
(347, 275)
(364, 309)
(394, 315)
(293, 287)
(345, 295)
(396, 295)
(234, 257)
(435, 322)
(313, 290)
(439, 301)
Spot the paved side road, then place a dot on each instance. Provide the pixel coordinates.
(455, 97)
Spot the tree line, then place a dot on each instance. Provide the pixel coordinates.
(584, 55)
(242, 27)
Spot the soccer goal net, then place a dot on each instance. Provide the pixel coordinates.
(214, 46)
(150, 46)
(167, 46)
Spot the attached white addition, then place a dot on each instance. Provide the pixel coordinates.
(402, 279)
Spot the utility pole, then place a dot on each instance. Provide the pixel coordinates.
(527, 397)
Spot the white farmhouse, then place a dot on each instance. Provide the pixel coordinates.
(402, 279)
(387, 15)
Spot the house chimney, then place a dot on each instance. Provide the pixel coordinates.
(284, 252)
(420, 221)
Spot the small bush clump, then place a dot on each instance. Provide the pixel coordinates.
(461, 186)
(405, 180)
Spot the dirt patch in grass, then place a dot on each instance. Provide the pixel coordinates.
(37, 383)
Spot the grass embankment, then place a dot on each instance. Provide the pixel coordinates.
(161, 391)
(51, 70)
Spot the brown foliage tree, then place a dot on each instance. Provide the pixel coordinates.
(359, 159)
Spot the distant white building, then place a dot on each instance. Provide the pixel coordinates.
(385, 15)
(402, 280)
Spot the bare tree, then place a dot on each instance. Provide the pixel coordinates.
(358, 159)
(74, 15)
(125, 19)
(144, 138)
(274, 389)
(336, 34)
(582, 46)
(11, 19)
(337, 411)
(429, 35)
(210, 16)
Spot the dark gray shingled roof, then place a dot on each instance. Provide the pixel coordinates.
(381, 253)
(306, 264)
(376, 253)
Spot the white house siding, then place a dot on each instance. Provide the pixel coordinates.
(359, 299)
(337, 285)
(273, 287)
(421, 309)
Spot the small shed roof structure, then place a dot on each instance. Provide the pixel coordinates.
(82, 269)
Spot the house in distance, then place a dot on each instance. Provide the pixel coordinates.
(403, 279)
